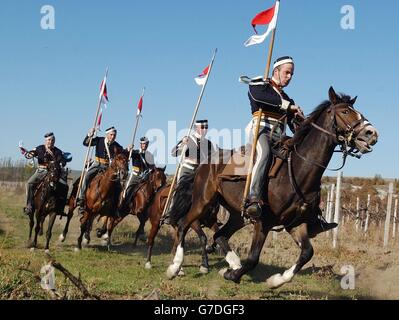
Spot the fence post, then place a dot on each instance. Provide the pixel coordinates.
(388, 215)
(357, 213)
(337, 208)
(366, 225)
(394, 218)
(330, 207)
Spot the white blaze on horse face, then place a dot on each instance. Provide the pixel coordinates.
(233, 260)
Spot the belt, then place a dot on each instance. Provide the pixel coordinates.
(268, 115)
(102, 161)
(135, 170)
(42, 166)
(186, 165)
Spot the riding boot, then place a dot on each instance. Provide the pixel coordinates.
(320, 225)
(29, 203)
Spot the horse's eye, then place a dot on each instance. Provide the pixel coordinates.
(346, 111)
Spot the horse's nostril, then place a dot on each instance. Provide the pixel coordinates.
(369, 132)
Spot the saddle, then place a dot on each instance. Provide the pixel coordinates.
(238, 165)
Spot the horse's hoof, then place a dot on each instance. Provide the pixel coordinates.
(229, 275)
(47, 251)
(105, 236)
(223, 271)
(143, 238)
(32, 249)
(210, 249)
(204, 270)
(172, 271)
(275, 281)
(61, 238)
(148, 265)
(76, 249)
(85, 242)
(181, 273)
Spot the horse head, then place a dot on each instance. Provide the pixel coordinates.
(120, 166)
(351, 127)
(53, 173)
(157, 178)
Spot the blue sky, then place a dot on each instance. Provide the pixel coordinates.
(50, 78)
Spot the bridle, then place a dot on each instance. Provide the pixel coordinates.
(344, 134)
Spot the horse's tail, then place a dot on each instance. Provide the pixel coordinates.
(182, 198)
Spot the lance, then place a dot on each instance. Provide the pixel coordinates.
(85, 164)
(138, 116)
(137, 121)
(258, 120)
(188, 134)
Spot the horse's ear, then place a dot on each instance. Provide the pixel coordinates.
(353, 101)
(163, 169)
(333, 96)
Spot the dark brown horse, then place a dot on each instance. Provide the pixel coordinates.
(144, 193)
(184, 194)
(49, 201)
(292, 197)
(102, 194)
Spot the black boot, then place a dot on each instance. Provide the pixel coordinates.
(320, 225)
(253, 208)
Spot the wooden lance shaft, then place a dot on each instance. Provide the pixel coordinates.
(82, 175)
(258, 120)
(188, 134)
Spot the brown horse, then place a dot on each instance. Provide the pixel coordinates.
(150, 184)
(293, 196)
(49, 201)
(155, 211)
(102, 194)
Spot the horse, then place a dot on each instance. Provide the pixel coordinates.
(49, 200)
(183, 194)
(102, 194)
(151, 182)
(334, 122)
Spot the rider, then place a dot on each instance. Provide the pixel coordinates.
(269, 96)
(142, 160)
(106, 148)
(45, 153)
(198, 150)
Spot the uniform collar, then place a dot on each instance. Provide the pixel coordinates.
(275, 85)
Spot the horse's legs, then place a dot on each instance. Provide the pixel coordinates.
(203, 239)
(111, 224)
(53, 215)
(37, 229)
(155, 218)
(103, 230)
(258, 240)
(71, 208)
(300, 236)
(221, 238)
(84, 220)
(143, 217)
(31, 225)
(173, 269)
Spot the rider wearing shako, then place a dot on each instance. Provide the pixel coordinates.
(106, 149)
(198, 150)
(44, 153)
(142, 160)
(277, 110)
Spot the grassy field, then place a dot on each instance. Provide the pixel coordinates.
(120, 274)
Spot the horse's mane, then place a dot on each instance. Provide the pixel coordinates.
(305, 126)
